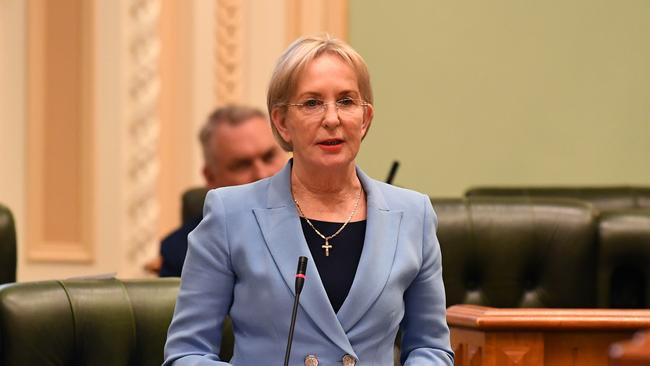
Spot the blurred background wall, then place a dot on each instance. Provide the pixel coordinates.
(507, 92)
(101, 101)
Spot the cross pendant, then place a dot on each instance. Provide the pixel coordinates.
(327, 247)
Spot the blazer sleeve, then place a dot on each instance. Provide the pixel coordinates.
(205, 294)
(425, 332)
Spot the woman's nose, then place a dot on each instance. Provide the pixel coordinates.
(331, 116)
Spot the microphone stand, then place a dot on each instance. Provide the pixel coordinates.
(300, 281)
(393, 171)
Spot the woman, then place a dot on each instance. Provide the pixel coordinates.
(375, 262)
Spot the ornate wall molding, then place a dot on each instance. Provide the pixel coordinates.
(142, 134)
(247, 39)
(229, 51)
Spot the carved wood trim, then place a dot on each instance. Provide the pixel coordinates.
(143, 133)
(229, 52)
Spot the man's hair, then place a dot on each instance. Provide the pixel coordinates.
(232, 115)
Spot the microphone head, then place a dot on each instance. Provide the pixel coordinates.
(300, 274)
(302, 265)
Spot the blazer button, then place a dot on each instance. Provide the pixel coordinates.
(311, 360)
(349, 360)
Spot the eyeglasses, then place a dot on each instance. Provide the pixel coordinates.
(313, 108)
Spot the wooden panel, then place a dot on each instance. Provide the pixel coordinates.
(477, 348)
(178, 139)
(468, 346)
(59, 110)
(483, 336)
(514, 349)
(580, 348)
(635, 352)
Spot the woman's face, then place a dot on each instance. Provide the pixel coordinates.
(325, 137)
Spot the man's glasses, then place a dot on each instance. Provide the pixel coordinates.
(316, 108)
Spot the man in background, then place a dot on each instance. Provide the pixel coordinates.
(238, 148)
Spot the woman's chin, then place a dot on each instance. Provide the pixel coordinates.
(329, 161)
(337, 162)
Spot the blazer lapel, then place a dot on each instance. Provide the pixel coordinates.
(376, 261)
(280, 226)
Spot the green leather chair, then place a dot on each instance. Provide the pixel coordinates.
(518, 252)
(192, 204)
(7, 246)
(623, 240)
(603, 198)
(624, 259)
(89, 322)
(85, 322)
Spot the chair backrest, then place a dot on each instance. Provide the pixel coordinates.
(516, 252)
(85, 322)
(7, 246)
(192, 204)
(624, 259)
(603, 198)
(90, 322)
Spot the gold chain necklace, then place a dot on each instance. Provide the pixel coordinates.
(327, 246)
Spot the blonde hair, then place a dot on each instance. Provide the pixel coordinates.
(294, 60)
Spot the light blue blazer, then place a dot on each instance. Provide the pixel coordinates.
(242, 261)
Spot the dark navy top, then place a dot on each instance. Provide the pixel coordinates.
(336, 271)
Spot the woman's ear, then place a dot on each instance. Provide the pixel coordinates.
(368, 114)
(278, 118)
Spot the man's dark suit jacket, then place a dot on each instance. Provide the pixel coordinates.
(173, 249)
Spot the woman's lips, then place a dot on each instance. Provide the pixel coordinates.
(331, 142)
(331, 145)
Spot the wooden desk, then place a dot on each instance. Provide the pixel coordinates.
(635, 352)
(484, 336)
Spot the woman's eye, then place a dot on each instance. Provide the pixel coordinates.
(346, 102)
(312, 103)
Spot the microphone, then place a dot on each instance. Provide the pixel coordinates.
(300, 275)
(300, 282)
(393, 171)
